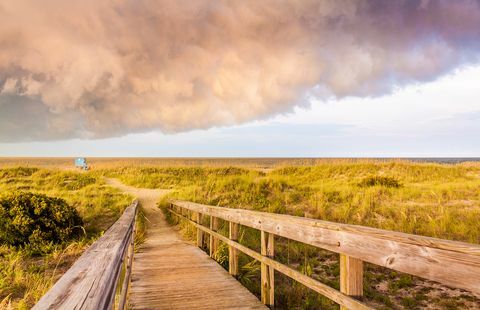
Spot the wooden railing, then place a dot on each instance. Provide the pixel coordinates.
(455, 264)
(100, 278)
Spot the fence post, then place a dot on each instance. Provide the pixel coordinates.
(351, 276)
(198, 217)
(213, 240)
(268, 289)
(232, 252)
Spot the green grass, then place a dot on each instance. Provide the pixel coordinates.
(24, 277)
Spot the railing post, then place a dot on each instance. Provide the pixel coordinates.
(351, 276)
(198, 217)
(128, 270)
(232, 252)
(268, 289)
(213, 240)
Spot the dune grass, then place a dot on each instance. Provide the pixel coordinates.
(436, 200)
(426, 199)
(26, 276)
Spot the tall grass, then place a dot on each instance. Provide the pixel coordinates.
(428, 199)
(24, 277)
(437, 200)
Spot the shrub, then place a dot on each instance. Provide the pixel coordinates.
(379, 181)
(17, 172)
(28, 219)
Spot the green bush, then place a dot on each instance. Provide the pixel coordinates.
(35, 220)
(380, 181)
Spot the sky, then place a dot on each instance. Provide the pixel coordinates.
(240, 79)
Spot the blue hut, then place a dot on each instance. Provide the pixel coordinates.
(81, 162)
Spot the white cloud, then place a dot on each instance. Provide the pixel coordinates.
(406, 111)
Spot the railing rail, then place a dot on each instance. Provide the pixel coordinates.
(92, 282)
(455, 264)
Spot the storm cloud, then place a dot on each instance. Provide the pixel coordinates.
(94, 69)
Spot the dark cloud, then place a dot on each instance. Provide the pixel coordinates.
(95, 69)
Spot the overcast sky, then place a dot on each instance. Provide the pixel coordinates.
(336, 78)
(436, 119)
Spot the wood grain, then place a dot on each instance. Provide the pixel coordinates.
(213, 241)
(170, 273)
(91, 282)
(455, 264)
(325, 290)
(267, 272)
(199, 219)
(232, 252)
(351, 276)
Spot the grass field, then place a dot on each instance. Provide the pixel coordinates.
(438, 200)
(428, 199)
(25, 277)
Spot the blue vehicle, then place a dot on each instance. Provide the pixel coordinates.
(81, 163)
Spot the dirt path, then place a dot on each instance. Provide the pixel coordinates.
(169, 273)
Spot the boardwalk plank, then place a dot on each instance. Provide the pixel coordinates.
(170, 273)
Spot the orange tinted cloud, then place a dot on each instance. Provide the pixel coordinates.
(95, 69)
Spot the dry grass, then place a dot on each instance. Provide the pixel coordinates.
(438, 200)
(24, 277)
(431, 199)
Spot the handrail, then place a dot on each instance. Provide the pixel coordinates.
(91, 283)
(452, 263)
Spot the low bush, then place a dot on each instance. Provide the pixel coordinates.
(380, 181)
(36, 220)
(17, 172)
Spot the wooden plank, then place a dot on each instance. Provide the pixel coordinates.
(351, 276)
(213, 240)
(267, 272)
(199, 219)
(318, 287)
(122, 303)
(171, 273)
(91, 282)
(233, 252)
(452, 263)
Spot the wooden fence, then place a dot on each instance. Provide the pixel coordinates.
(455, 264)
(100, 278)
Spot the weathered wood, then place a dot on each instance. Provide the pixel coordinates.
(122, 300)
(318, 287)
(452, 263)
(91, 282)
(232, 252)
(199, 219)
(267, 272)
(171, 273)
(213, 240)
(351, 276)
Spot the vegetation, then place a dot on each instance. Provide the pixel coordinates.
(379, 181)
(428, 199)
(35, 220)
(438, 200)
(41, 227)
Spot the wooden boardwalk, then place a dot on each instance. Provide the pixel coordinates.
(169, 273)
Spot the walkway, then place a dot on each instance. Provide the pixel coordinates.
(169, 273)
